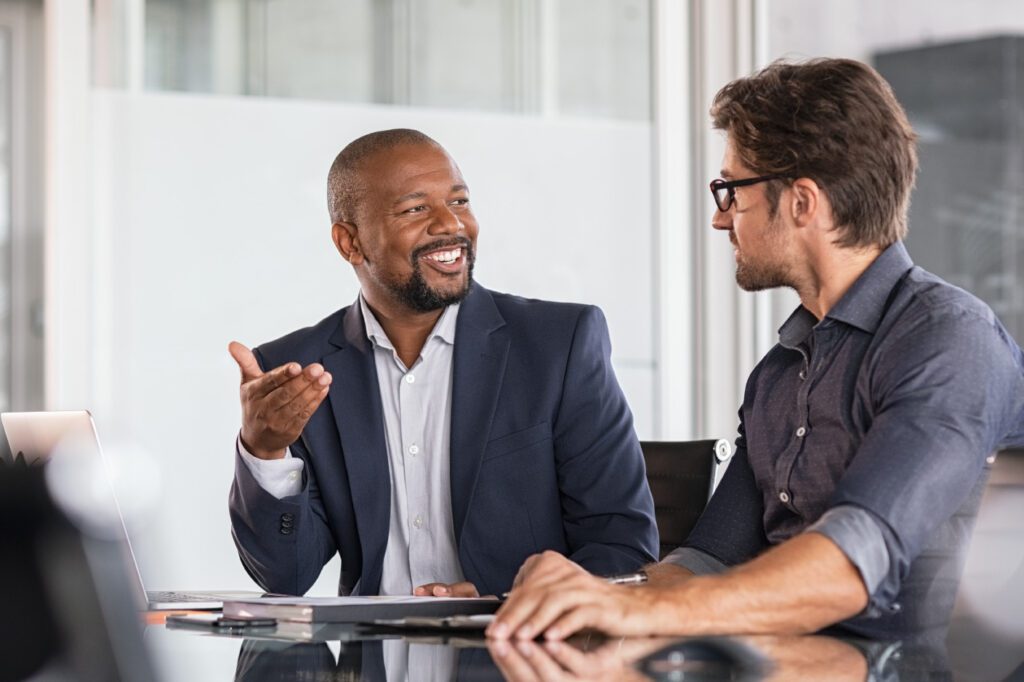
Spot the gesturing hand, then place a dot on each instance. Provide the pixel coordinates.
(277, 404)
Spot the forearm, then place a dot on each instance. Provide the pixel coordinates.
(666, 574)
(801, 586)
(283, 543)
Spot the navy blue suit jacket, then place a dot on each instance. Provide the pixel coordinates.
(543, 454)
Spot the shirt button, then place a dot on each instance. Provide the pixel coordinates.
(414, 449)
(294, 475)
(418, 522)
(410, 378)
(784, 496)
(801, 432)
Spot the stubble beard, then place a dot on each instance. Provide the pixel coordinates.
(766, 274)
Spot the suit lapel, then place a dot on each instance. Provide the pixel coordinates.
(356, 405)
(481, 349)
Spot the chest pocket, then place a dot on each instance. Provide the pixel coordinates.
(516, 441)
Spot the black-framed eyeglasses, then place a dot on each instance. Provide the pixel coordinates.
(724, 191)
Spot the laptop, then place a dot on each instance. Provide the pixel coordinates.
(34, 436)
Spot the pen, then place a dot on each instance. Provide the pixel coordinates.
(623, 579)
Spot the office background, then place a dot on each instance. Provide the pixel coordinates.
(162, 172)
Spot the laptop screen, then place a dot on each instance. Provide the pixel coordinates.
(80, 476)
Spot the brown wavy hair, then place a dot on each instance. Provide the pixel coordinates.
(837, 122)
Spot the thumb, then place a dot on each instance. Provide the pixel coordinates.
(246, 361)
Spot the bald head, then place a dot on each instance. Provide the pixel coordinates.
(345, 184)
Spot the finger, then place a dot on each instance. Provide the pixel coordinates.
(246, 361)
(574, 660)
(301, 407)
(463, 589)
(301, 412)
(510, 662)
(551, 567)
(544, 668)
(311, 380)
(264, 385)
(559, 602)
(426, 590)
(574, 620)
(513, 613)
(525, 569)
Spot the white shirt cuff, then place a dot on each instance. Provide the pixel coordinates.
(279, 477)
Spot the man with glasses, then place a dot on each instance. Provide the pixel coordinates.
(863, 433)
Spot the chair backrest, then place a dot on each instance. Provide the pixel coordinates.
(991, 597)
(682, 476)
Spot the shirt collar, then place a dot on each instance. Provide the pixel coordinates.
(444, 328)
(865, 301)
(862, 305)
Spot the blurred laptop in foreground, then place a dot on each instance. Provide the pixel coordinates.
(35, 437)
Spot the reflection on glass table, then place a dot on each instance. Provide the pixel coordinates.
(354, 653)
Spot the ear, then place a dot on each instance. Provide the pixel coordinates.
(806, 201)
(346, 240)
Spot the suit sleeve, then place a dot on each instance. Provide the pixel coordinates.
(607, 509)
(283, 543)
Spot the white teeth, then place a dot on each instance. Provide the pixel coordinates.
(446, 256)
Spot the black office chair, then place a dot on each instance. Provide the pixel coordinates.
(682, 476)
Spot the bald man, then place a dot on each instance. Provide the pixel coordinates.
(434, 433)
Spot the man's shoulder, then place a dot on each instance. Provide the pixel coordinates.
(533, 310)
(929, 295)
(548, 324)
(305, 345)
(933, 315)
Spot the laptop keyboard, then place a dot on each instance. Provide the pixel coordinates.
(173, 597)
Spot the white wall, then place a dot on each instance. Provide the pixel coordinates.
(210, 225)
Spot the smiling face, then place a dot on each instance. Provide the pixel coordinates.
(759, 237)
(413, 241)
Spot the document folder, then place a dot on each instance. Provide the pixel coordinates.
(357, 609)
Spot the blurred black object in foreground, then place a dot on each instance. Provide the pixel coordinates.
(65, 610)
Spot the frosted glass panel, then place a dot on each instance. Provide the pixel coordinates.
(5, 219)
(958, 70)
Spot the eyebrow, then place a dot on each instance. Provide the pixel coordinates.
(725, 174)
(408, 197)
(461, 187)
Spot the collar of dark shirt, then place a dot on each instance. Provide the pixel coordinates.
(863, 304)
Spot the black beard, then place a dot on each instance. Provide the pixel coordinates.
(417, 295)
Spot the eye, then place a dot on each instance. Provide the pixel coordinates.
(415, 209)
(464, 201)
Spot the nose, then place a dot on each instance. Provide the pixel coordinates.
(447, 222)
(722, 220)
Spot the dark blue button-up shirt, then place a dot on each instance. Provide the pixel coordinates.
(881, 414)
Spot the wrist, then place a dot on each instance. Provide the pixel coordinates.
(261, 453)
(673, 607)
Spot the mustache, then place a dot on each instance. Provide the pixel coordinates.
(442, 244)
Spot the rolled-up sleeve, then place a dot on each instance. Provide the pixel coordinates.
(866, 542)
(947, 388)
